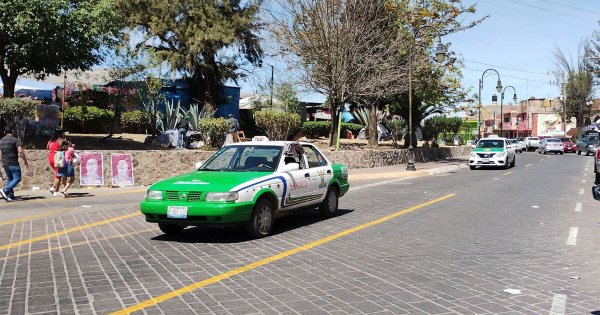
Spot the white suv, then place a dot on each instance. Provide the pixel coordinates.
(493, 152)
(532, 143)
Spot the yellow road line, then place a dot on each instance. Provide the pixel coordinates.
(67, 231)
(256, 264)
(6, 204)
(37, 216)
(507, 173)
(75, 244)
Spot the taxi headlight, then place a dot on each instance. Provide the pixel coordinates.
(501, 154)
(222, 196)
(473, 155)
(154, 195)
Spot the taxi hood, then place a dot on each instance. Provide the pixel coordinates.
(213, 181)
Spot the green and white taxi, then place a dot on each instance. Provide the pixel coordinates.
(497, 152)
(248, 183)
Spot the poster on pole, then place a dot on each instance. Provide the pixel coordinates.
(91, 169)
(121, 169)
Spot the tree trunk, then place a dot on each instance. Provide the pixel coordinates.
(9, 81)
(334, 122)
(197, 86)
(373, 126)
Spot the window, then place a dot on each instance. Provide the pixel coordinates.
(244, 158)
(313, 157)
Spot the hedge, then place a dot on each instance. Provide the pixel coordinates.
(277, 125)
(87, 119)
(136, 121)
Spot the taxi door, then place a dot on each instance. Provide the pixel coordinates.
(320, 173)
(297, 184)
(510, 151)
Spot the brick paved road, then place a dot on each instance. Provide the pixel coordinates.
(501, 230)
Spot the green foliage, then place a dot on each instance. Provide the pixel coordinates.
(436, 125)
(213, 131)
(196, 114)
(51, 36)
(315, 129)
(277, 126)
(13, 109)
(169, 119)
(87, 119)
(136, 121)
(397, 127)
(354, 128)
(197, 37)
(288, 97)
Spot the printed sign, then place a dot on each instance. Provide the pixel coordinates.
(121, 169)
(91, 169)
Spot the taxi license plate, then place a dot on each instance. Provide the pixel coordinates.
(485, 160)
(177, 212)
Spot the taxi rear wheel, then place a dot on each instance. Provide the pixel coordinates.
(170, 229)
(261, 220)
(329, 206)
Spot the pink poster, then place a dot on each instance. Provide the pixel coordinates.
(121, 169)
(91, 169)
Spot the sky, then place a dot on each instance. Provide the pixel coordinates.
(518, 39)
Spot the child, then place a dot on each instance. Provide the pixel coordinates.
(67, 173)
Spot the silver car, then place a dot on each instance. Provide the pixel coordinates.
(532, 143)
(552, 145)
(519, 146)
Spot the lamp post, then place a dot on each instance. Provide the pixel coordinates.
(498, 88)
(440, 55)
(501, 104)
(589, 105)
(563, 100)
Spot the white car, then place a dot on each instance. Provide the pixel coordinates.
(552, 145)
(532, 143)
(519, 146)
(497, 152)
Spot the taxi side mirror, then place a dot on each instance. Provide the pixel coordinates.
(290, 167)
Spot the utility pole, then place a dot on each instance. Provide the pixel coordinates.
(272, 87)
(62, 104)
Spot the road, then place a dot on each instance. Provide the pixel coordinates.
(518, 241)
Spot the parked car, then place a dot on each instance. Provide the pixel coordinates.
(518, 146)
(597, 167)
(587, 144)
(532, 143)
(568, 146)
(495, 151)
(552, 145)
(248, 184)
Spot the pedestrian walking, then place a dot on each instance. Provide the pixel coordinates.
(233, 126)
(53, 147)
(183, 126)
(67, 172)
(11, 149)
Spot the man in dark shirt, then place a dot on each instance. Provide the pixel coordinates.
(183, 127)
(11, 149)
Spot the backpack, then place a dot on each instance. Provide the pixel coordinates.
(59, 159)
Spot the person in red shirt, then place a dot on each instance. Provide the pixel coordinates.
(53, 146)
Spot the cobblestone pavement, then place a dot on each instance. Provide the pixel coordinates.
(480, 233)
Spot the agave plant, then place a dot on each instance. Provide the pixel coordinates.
(170, 118)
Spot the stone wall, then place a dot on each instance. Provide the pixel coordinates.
(151, 166)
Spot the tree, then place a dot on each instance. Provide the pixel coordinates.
(578, 84)
(198, 37)
(592, 54)
(345, 48)
(288, 98)
(48, 37)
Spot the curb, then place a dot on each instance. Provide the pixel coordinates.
(406, 174)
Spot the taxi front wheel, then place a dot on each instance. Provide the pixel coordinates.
(261, 220)
(170, 229)
(329, 206)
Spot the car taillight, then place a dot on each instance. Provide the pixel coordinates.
(598, 155)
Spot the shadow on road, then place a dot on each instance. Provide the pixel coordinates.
(238, 234)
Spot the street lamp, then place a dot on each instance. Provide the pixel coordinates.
(498, 88)
(440, 55)
(501, 104)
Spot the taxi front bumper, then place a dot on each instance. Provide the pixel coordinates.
(492, 161)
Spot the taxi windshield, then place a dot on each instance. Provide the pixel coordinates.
(490, 144)
(244, 158)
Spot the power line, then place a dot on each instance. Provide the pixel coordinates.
(510, 76)
(507, 68)
(572, 7)
(544, 17)
(544, 9)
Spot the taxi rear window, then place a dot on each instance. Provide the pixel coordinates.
(490, 144)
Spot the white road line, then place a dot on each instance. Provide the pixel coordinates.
(541, 160)
(587, 169)
(528, 164)
(559, 304)
(581, 191)
(584, 174)
(578, 207)
(380, 183)
(583, 181)
(572, 240)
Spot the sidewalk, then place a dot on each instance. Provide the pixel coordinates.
(399, 171)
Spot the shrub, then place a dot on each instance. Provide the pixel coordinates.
(354, 128)
(13, 109)
(136, 121)
(213, 131)
(87, 119)
(277, 126)
(315, 129)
